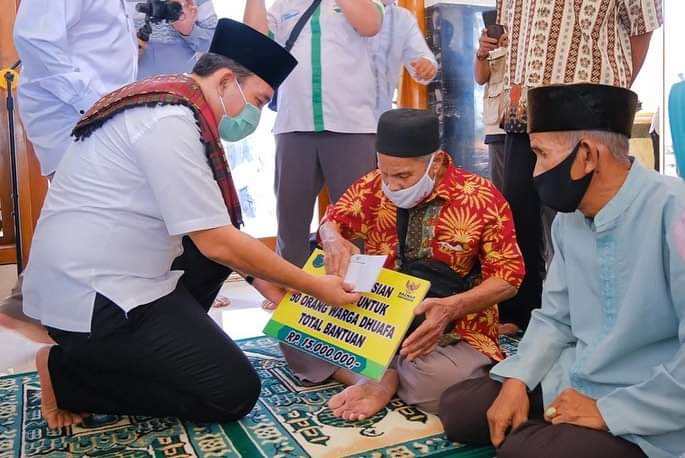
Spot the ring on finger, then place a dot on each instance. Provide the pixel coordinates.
(551, 412)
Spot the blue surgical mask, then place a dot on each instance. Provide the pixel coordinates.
(233, 129)
(415, 194)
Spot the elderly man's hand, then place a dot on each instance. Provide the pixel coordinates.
(186, 22)
(574, 408)
(439, 313)
(509, 410)
(338, 252)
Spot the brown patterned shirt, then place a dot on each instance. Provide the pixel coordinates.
(574, 41)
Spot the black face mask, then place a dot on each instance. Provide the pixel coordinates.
(558, 190)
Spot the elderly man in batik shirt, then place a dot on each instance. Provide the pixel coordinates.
(453, 217)
(605, 354)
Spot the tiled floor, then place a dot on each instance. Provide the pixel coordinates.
(243, 318)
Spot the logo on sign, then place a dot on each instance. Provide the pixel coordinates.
(410, 289)
(318, 261)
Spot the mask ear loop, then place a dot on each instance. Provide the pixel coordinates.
(430, 164)
(223, 105)
(242, 94)
(241, 91)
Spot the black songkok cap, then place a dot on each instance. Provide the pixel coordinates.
(581, 107)
(407, 132)
(253, 50)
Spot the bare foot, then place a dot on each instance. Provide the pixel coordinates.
(365, 399)
(53, 415)
(221, 301)
(508, 329)
(269, 306)
(27, 327)
(12, 317)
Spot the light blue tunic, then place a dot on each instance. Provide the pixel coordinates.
(612, 323)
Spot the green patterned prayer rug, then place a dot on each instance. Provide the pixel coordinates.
(288, 421)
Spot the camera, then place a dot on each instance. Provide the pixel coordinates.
(160, 10)
(155, 12)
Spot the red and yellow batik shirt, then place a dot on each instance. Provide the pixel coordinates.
(463, 221)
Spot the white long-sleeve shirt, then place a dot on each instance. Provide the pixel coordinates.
(73, 53)
(400, 42)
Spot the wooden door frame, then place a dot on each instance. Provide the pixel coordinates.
(412, 94)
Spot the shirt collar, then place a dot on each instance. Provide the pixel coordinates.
(609, 214)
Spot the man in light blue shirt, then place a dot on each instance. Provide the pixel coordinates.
(175, 47)
(605, 354)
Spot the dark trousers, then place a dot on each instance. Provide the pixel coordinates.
(305, 161)
(518, 189)
(496, 158)
(463, 409)
(166, 358)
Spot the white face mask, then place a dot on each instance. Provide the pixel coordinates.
(412, 196)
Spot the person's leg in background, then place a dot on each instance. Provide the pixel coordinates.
(496, 158)
(344, 159)
(520, 192)
(548, 216)
(297, 183)
(656, 147)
